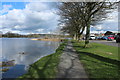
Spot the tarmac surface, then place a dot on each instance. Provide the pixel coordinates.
(70, 65)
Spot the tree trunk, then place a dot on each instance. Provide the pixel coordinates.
(81, 33)
(87, 35)
(75, 37)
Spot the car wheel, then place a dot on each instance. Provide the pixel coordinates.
(116, 41)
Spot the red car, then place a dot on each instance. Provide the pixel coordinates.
(110, 38)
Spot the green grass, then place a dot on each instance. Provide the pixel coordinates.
(99, 49)
(97, 62)
(46, 67)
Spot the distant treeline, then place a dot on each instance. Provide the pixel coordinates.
(16, 35)
(12, 35)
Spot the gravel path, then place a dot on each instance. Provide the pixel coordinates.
(70, 65)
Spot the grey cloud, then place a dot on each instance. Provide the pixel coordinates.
(35, 16)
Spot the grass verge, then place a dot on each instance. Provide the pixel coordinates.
(97, 61)
(46, 67)
(98, 49)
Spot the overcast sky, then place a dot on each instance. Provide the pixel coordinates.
(39, 17)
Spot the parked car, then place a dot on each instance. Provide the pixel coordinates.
(110, 38)
(104, 38)
(92, 37)
(118, 38)
(98, 38)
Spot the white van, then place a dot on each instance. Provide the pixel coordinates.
(92, 37)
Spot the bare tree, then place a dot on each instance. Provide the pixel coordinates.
(78, 15)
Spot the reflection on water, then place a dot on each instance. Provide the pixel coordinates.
(24, 52)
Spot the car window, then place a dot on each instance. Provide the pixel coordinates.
(92, 36)
(110, 36)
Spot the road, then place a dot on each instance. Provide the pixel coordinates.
(111, 43)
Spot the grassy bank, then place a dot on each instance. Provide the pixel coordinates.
(46, 67)
(99, 60)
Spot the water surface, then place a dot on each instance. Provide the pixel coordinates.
(34, 50)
